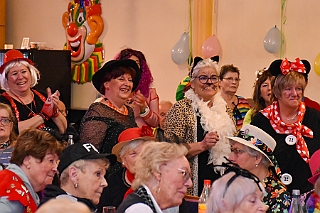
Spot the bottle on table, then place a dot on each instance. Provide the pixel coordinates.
(70, 140)
(202, 206)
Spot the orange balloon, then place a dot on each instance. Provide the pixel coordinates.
(317, 65)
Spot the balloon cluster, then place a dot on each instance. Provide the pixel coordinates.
(181, 51)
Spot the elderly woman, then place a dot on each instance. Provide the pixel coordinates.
(229, 83)
(145, 98)
(252, 150)
(32, 166)
(81, 169)
(130, 143)
(236, 192)
(32, 108)
(201, 119)
(295, 127)
(107, 118)
(161, 181)
(261, 94)
(7, 134)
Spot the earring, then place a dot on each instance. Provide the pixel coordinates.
(75, 185)
(257, 165)
(107, 88)
(158, 187)
(28, 167)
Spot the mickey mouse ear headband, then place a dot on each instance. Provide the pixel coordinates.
(284, 66)
(197, 59)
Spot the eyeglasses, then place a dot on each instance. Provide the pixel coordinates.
(185, 174)
(237, 152)
(230, 79)
(232, 167)
(204, 79)
(5, 121)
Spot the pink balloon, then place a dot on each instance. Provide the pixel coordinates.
(211, 47)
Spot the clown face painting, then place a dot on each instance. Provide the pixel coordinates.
(83, 25)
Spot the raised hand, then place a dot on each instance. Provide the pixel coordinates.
(140, 100)
(210, 140)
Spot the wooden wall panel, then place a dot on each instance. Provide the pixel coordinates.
(2, 23)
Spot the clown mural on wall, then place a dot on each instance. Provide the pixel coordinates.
(83, 25)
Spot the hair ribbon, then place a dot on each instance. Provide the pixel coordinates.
(296, 66)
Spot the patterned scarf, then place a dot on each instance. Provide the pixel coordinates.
(296, 129)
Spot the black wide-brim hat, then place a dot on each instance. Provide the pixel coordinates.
(97, 78)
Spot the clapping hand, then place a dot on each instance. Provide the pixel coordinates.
(51, 103)
(139, 100)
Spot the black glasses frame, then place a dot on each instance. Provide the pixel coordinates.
(204, 79)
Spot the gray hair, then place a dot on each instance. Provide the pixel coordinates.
(233, 195)
(254, 153)
(35, 74)
(204, 63)
(130, 146)
(81, 165)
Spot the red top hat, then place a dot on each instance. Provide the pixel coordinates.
(12, 55)
(130, 134)
(314, 165)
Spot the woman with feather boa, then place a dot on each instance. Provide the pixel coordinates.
(202, 121)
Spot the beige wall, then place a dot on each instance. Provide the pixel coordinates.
(154, 27)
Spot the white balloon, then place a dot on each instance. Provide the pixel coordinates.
(272, 41)
(180, 52)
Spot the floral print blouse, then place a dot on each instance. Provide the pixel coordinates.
(276, 197)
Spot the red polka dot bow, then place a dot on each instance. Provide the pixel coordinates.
(296, 66)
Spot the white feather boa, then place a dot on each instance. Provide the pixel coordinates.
(215, 118)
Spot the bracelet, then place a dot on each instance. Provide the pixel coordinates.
(43, 116)
(145, 112)
(55, 113)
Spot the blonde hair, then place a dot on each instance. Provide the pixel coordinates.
(152, 156)
(35, 74)
(283, 81)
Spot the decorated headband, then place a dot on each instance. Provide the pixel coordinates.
(232, 167)
(198, 59)
(259, 73)
(284, 67)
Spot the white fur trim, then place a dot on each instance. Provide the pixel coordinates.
(215, 118)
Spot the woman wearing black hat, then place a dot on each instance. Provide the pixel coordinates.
(81, 171)
(107, 118)
(295, 127)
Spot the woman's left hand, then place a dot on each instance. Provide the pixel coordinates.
(140, 100)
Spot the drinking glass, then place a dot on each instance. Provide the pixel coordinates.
(109, 209)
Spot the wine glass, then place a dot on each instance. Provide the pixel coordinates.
(109, 209)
